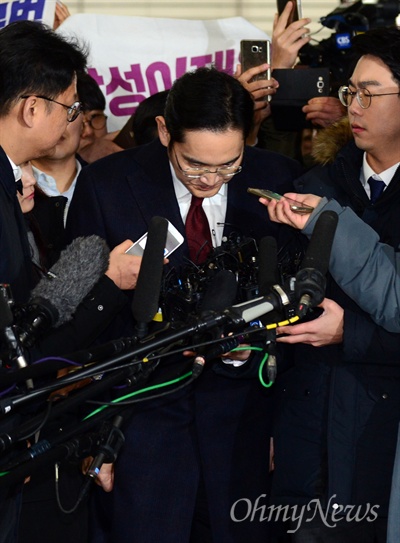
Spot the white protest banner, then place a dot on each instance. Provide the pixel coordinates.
(132, 58)
(21, 10)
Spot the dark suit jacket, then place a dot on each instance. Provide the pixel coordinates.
(15, 259)
(217, 424)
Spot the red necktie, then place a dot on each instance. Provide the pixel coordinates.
(198, 233)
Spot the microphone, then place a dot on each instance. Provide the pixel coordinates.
(56, 297)
(147, 292)
(10, 338)
(109, 446)
(310, 279)
(268, 274)
(220, 294)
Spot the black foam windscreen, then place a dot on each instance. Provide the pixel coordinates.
(268, 274)
(320, 246)
(147, 292)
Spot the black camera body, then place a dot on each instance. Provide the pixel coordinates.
(335, 52)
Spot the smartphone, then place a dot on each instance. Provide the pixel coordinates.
(254, 53)
(296, 207)
(174, 240)
(297, 10)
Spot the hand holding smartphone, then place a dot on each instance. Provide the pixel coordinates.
(254, 53)
(296, 207)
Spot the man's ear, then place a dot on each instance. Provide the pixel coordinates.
(29, 110)
(163, 133)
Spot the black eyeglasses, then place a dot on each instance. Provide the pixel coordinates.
(97, 121)
(363, 96)
(72, 111)
(226, 172)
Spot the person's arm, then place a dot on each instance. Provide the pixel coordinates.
(368, 271)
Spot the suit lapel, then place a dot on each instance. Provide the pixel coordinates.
(152, 187)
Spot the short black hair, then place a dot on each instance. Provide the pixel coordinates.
(207, 99)
(383, 43)
(89, 92)
(144, 125)
(36, 60)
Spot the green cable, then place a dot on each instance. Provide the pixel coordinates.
(247, 349)
(262, 364)
(154, 387)
(141, 391)
(260, 370)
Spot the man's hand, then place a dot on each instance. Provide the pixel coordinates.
(288, 40)
(324, 110)
(281, 212)
(327, 329)
(124, 268)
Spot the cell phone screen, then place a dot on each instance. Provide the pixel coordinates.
(174, 240)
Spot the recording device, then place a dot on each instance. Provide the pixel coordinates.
(56, 297)
(310, 289)
(346, 21)
(15, 352)
(295, 14)
(296, 88)
(145, 301)
(174, 240)
(296, 207)
(311, 278)
(254, 53)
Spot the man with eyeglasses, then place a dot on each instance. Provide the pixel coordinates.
(35, 107)
(187, 458)
(38, 101)
(338, 420)
(31, 123)
(96, 142)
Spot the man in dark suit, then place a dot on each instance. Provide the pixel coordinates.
(38, 98)
(188, 459)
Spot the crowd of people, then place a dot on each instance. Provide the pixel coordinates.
(215, 461)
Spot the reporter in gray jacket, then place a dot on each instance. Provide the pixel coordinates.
(368, 271)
